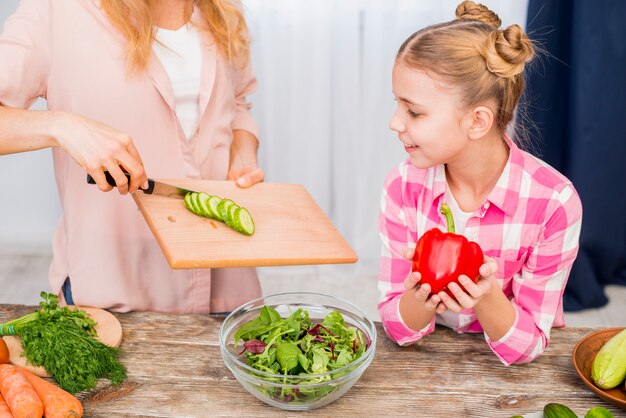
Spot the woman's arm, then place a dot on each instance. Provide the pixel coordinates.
(94, 146)
(23, 130)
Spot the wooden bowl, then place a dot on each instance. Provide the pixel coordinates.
(584, 353)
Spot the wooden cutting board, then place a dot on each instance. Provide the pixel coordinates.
(108, 328)
(291, 229)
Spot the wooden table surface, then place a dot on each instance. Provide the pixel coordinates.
(175, 370)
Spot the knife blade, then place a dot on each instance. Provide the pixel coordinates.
(154, 187)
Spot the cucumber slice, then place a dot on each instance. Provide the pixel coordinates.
(236, 217)
(211, 206)
(243, 221)
(187, 201)
(194, 203)
(231, 216)
(202, 198)
(222, 209)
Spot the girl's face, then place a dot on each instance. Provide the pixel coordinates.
(428, 118)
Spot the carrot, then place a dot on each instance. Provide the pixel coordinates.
(57, 403)
(5, 411)
(19, 394)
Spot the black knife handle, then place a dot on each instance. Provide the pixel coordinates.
(111, 181)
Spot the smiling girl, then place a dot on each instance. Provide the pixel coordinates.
(457, 85)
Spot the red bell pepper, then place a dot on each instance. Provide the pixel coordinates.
(441, 257)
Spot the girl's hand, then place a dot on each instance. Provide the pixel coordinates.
(97, 148)
(469, 293)
(422, 291)
(243, 167)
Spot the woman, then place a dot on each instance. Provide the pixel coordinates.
(142, 86)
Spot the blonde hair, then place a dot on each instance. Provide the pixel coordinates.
(222, 18)
(473, 54)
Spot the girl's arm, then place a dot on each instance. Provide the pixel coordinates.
(400, 307)
(94, 146)
(537, 289)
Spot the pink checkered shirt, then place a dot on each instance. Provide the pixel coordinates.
(530, 224)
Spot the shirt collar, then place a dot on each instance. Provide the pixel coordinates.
(506, 192)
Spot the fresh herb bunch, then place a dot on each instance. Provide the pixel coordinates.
(62, 340)
(297, 346)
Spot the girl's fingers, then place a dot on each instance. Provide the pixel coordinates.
(411, 280)
(422, 293)
(464, 300)
(489, 267)
(470, 287)
(449, 302)
(432, 302)
(408, 253)
(441, 308)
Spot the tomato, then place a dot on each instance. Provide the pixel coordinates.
(4, 352)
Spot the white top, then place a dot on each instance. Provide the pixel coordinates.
(460, 217)
(179, 53)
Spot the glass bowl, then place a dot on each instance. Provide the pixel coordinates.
(311, 390)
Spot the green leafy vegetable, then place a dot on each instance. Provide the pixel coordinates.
(62, 340)
(296, 346)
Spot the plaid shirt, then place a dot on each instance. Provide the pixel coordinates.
(530, 224)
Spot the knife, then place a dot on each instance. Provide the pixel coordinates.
(154, 187)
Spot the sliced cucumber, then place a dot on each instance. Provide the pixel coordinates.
(243, 221)
(222, 208)
(187, 201)
(231, 215)
(202, 198)
(211, 206)
(194, 204)
(226, 210)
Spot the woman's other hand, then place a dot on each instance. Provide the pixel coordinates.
(243, 167)
(97, 148)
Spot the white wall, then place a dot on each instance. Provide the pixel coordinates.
(324, 102)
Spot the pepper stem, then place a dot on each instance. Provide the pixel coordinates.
(445, 210)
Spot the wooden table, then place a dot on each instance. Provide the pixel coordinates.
(175, 370)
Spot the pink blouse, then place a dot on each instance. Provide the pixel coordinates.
(69, 53)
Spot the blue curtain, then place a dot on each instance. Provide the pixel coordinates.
(577, 97)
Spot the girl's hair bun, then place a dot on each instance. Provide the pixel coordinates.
(514, 46)
(470, 10)
(507, 51)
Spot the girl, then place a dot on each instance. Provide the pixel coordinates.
(139, 85)
(457, 85)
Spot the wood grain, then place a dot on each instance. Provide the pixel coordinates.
(291, 229)
(175, 370)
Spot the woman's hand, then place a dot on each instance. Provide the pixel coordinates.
(469, 294)
(243, 167)
(97, 148)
